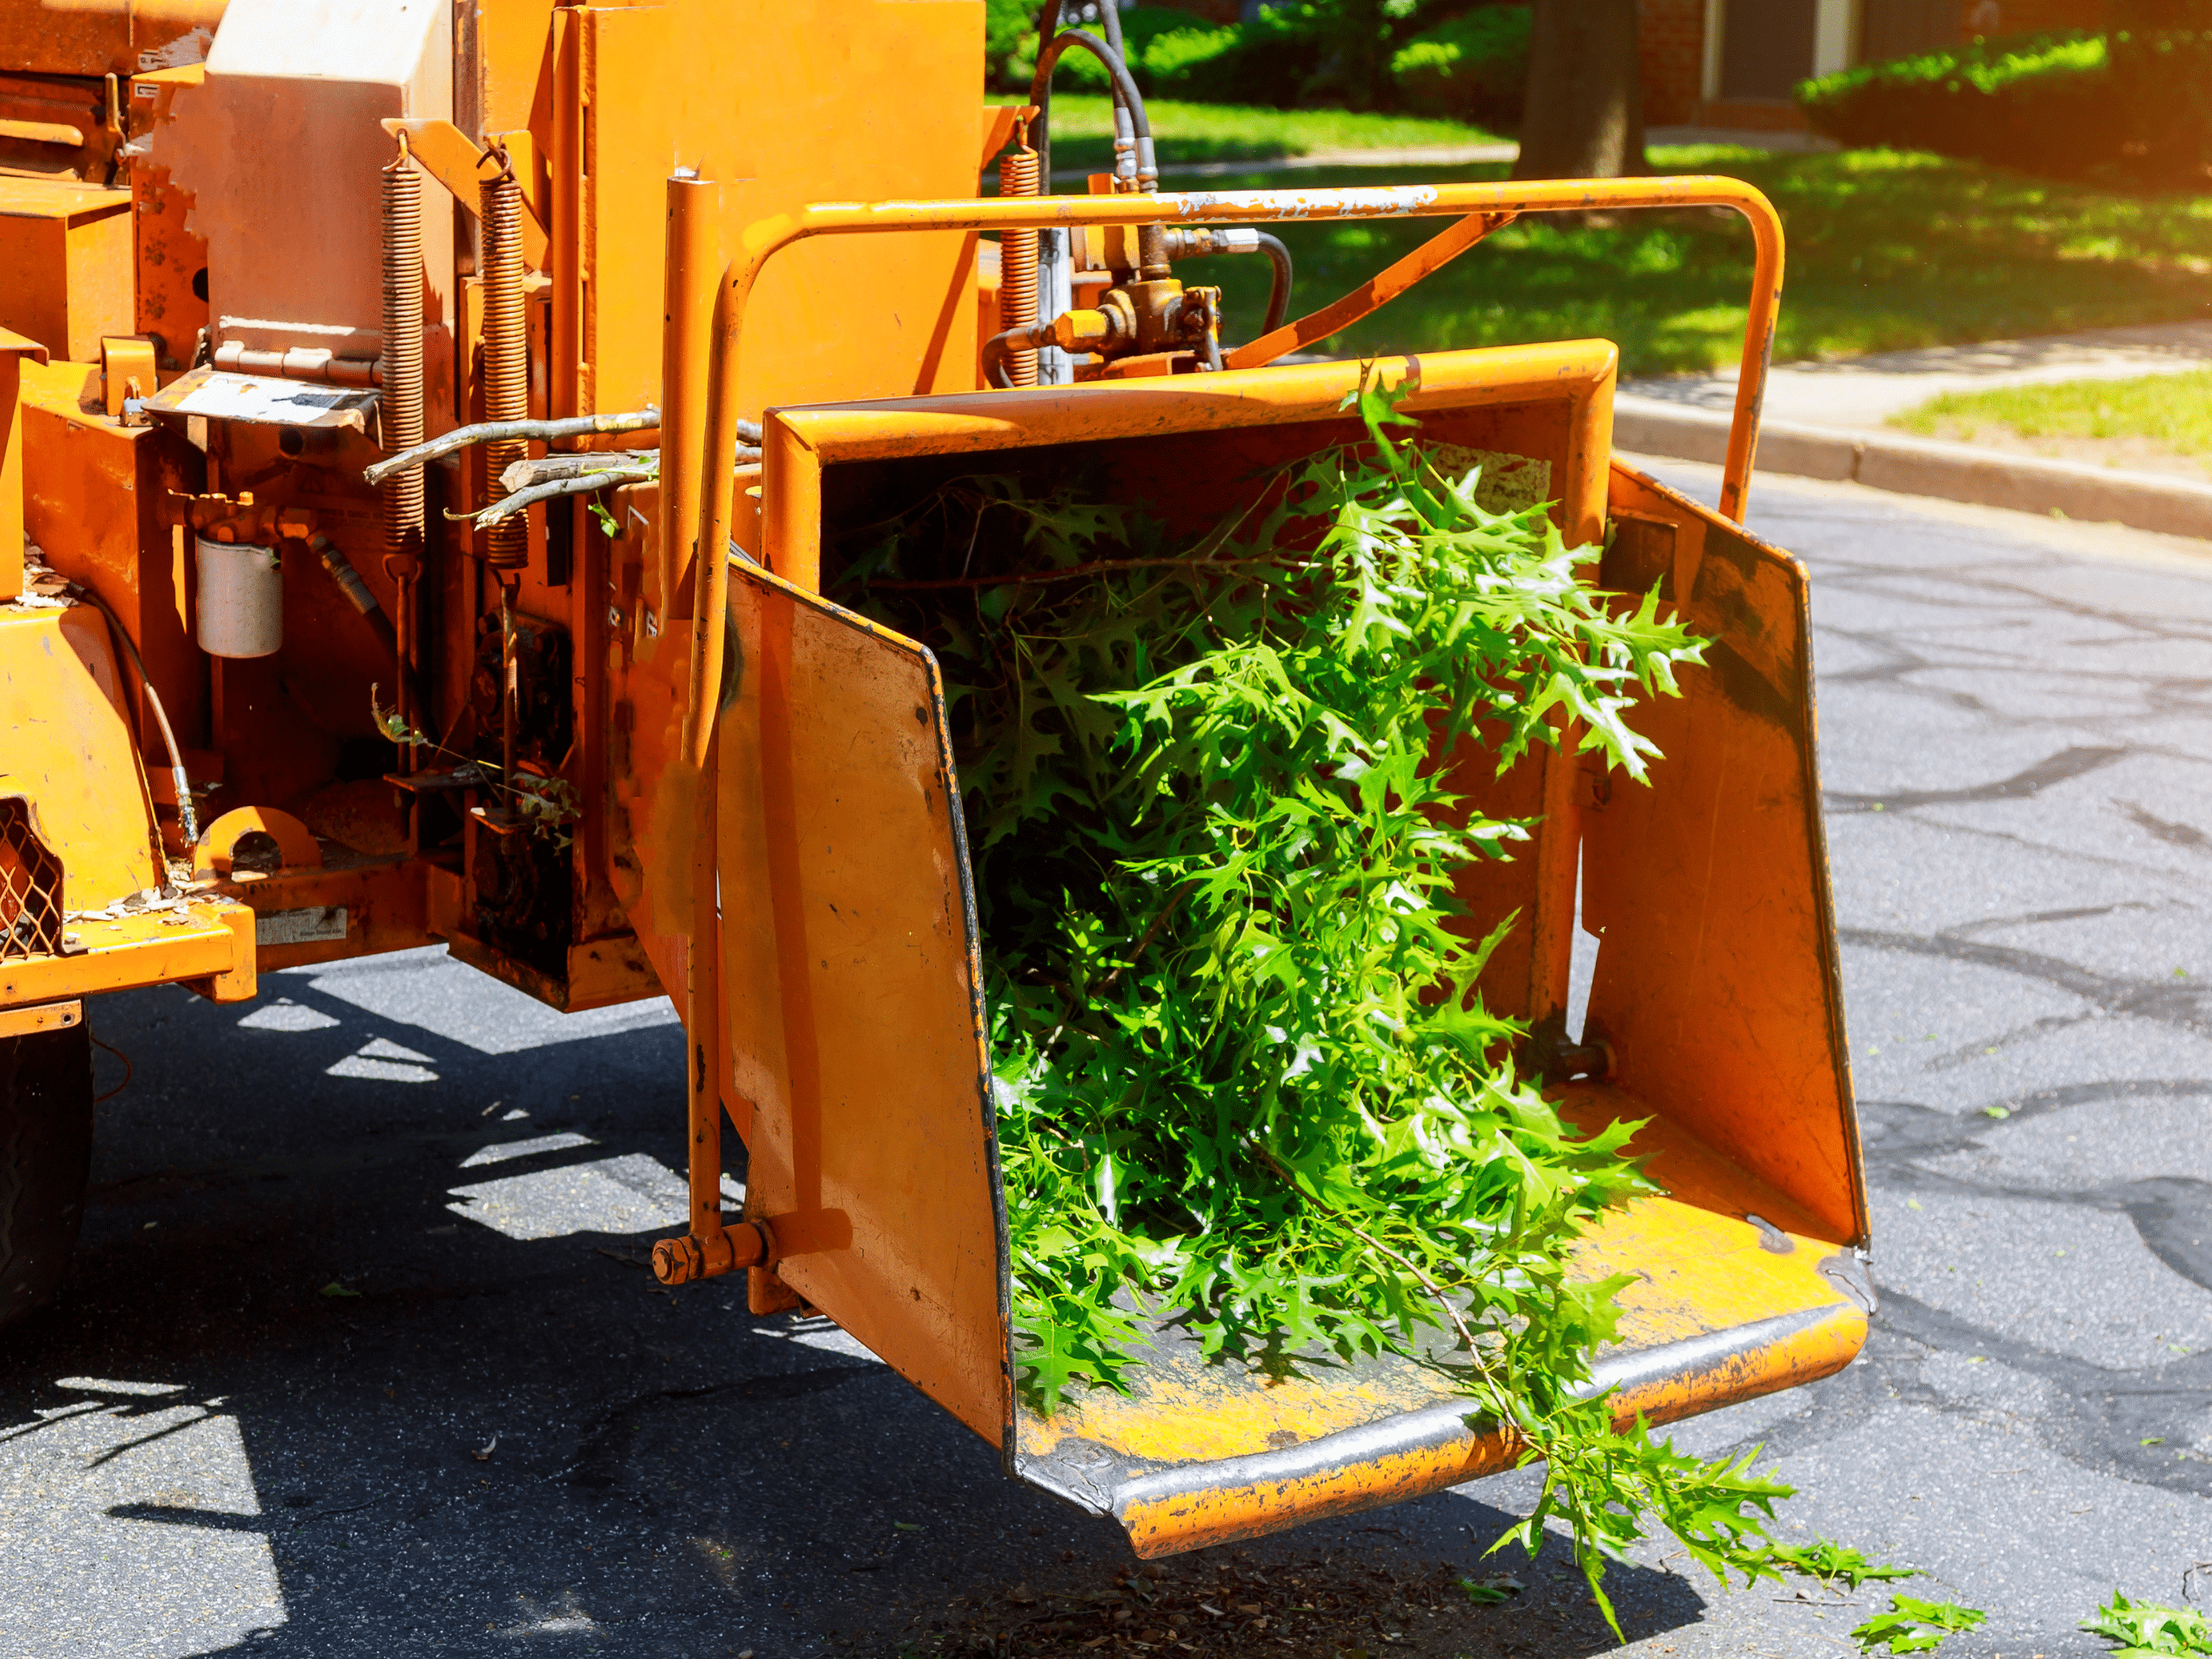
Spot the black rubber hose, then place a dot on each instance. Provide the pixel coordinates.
(1279, 289)
(1125, 88)
(1040, 137)
(1041, 130)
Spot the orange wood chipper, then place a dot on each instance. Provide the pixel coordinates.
(426, 429)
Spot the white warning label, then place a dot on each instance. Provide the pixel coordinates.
(311, 925)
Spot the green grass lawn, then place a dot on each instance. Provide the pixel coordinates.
(2171, 411)
(1083, 132)
(1886, 250)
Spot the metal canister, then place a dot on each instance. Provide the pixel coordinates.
(241, 610)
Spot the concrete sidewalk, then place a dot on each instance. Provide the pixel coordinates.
(1461, 155)
(1826, 420)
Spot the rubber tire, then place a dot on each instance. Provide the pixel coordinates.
(46, 1158)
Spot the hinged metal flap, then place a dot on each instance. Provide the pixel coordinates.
(266, 399)
(852, 1011)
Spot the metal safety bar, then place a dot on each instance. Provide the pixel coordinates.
(768, 237)
(1482, 205)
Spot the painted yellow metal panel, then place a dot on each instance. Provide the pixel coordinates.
(856, 1064)
(209, 944)
(1717, 981)
(69, 750)
(786, 102)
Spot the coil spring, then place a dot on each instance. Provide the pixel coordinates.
(1018, 176)
(402, 395)
(506, 357)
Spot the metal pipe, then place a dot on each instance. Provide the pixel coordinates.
(1019, 177)
(505, 381)
(702, 1027)
(401, 412)
(510, 699)
(1475, 202)
(687, 305)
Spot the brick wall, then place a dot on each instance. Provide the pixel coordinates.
(1670, 40)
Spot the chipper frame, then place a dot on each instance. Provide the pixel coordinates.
(613, 766)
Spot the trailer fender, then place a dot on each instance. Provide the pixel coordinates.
(71, 754)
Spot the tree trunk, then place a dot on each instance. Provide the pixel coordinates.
(1585, 114)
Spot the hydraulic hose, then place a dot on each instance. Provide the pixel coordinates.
(1279, 290)
(996, 349)
(1125, 140)
(1041, 130)
(185, 818)
(1125, 91)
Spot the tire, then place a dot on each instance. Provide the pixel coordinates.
(45, 1157)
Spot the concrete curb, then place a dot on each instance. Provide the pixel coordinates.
(1953, 472)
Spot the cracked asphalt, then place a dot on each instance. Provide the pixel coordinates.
(361, 1357)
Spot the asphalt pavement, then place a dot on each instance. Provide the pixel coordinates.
(361, 1357)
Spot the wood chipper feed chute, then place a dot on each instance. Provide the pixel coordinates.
(858, 1056)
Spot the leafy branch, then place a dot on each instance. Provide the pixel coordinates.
(1915, 1626)
(1244, 1073)
(2144, 1629)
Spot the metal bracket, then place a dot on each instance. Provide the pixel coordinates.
(457, 161)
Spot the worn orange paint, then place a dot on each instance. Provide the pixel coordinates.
(65, 263)
(211, 947)
(100, 37)
(1369, 296)
(41, 1016)
(14, 350)
(1717, 979)
(295, 843)
(854, 1061)
(1204, 1452)
(94, 495)
(170, 256)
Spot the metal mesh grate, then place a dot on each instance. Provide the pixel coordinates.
(30, 886)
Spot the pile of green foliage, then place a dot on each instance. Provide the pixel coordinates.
(2128, 104)
(1430, 57)
(1244, 1076)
